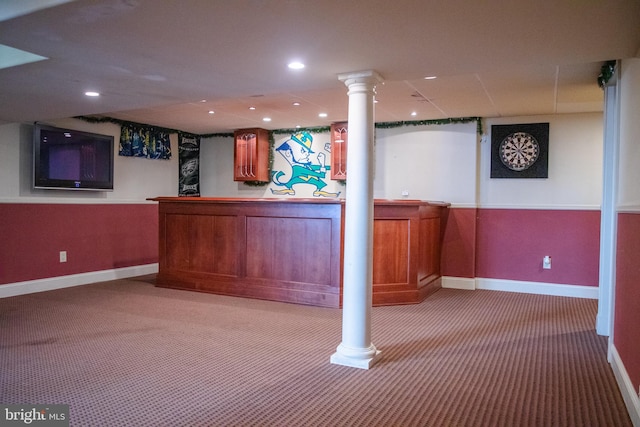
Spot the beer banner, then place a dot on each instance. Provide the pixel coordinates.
(189, 165)
(141, 141)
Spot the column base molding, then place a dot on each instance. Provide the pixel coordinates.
(362, 358)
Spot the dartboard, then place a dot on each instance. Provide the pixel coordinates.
(519, 151)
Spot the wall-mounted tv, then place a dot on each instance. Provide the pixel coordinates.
(68, 159)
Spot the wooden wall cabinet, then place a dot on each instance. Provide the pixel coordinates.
(339, 138)
(251, 155)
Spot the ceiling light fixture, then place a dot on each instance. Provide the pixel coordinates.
(431, 77)
(322, 115)
(92, 93)
(252, 108)
(211, 112)
(266, 119)
(413, 113)
(296, 65)
(296, 103)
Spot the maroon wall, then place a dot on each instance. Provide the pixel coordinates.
(627, 295)
(95, 236)
(459, 243)
(490, 243)
(509, 244)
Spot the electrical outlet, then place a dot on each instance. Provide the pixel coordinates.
(63, 256)
(546, 262)
(405, 193)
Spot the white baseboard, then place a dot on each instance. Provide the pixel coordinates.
(458, 283)
(629, 394)
(557, 289)
(51, 283)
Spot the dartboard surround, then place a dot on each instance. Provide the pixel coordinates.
(520, 150)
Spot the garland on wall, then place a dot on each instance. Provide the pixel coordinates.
(316, 129)
(388, 125)
(149, 128)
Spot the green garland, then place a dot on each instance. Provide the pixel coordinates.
(151, 128)
(216, 135)
(606, 72)
(317, 129)
(388, 125)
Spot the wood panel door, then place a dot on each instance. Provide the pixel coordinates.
(391, 252)
(201, 243)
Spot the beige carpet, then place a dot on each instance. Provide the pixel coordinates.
(125, 353)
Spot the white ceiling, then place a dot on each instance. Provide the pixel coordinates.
(156, 61)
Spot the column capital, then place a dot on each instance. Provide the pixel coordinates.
(370, 77)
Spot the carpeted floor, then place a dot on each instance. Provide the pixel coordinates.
(125, 353)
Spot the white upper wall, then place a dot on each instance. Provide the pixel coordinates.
(216, 169)
(135, 179)
(437, 162)
(448, 163)
(629, 175)
(10, 161)
(575, 167)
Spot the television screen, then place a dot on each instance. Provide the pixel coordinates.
(72, 160)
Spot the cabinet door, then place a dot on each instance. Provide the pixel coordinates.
(339, 151)
(251, 155)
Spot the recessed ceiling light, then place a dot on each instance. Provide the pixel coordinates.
(211, 112)
(322, 115)
(431, 77)
(296, 103)
(413, 113)
(296, 65)
(91, 93)
(266, 119)
(252, 108)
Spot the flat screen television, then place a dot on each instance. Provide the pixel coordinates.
(68, 159)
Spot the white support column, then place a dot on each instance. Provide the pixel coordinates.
(356, 349)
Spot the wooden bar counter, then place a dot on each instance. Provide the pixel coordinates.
(290, 250)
